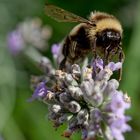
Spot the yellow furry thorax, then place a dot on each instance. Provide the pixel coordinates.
(104, 21)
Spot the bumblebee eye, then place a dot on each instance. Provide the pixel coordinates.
(104, 38)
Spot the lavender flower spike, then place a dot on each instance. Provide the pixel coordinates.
(28, 33)
(87, 99)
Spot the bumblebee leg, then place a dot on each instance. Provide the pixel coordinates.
(121, 59)
(62, 65)
(94, 48)
(106, 55)
(93, 44)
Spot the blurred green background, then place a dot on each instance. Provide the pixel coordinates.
(21, 120)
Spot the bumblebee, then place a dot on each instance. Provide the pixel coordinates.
(100, 34)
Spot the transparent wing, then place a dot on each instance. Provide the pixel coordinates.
(62, 15)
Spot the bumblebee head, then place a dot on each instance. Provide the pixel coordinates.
(108, 30)
(108, 37)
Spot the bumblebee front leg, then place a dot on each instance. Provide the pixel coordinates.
(94, 48)
(121, 59)
(106, 55)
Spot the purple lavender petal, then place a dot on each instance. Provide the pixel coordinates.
(15, 42)
(119, 126)
(117, 134)
(55, 50)
(114, 66)
(40, 91)
(120, 123)
(118, 105)
(98, 63)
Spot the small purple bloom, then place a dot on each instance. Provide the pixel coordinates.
(40, 91)
(15, 42)
(114, 66)
(98, 63)
(55, 50)
(118, 104)
(119, 126)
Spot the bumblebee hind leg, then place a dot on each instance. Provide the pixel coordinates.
(62, 65)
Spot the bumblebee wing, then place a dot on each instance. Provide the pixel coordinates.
(62, 15)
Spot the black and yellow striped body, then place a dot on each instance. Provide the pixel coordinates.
(104, 37)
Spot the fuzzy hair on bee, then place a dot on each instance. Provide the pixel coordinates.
(99, 35)
(104, 21)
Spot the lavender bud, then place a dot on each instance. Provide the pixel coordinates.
(75, 92)
(69, 80)
(65, 98)
(73, 107)
(112, 85)
(114, 66)
(107, 133)
(95, 115)
(53, 115)
(96, 99)
(87, 74)
(76, 71)
(87, 87)
(104, 74)
(82, 117)
(56, 108)
(49, 98)
(97, 64)
(92, 93)
(63, 118)
(73, 123)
